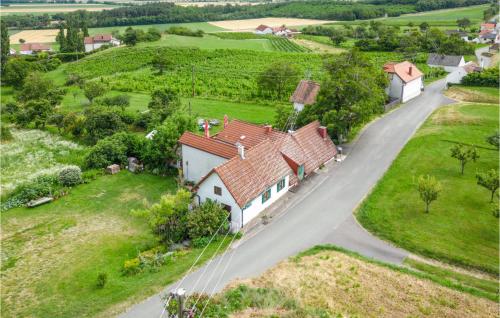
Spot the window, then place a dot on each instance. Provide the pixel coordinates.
(281, 185)
(300, 172)
(217, 190)
(249, 204)
(266, 195)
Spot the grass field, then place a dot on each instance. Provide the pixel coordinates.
(209, 42)
(51, 254)
(326, 281)
(473, 94)
(32, 153)
(204, 26)
(460, 227)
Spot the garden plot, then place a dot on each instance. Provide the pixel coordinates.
(32, 153)
(251, 24)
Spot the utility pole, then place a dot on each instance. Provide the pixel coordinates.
(179, 295)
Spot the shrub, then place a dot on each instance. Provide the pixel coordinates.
(102, 279)
(106, 152)
(131, 267)
(70, 176)
(201, 242)
(5, 133)
(488, 77)
(206, 220)
(42, 186)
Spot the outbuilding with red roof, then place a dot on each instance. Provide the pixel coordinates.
(406, 80)
(96, 41)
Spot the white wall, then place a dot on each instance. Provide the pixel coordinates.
(266, 31)
(197, 163)
(239, 217)
(206, 191)
(456, 76)
(395, 86)
(412, 89)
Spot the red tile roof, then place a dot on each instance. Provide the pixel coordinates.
(247, 178)
(245, 133)
(270, 157)
(209, 145)
(98, 38)
(488, 26)
(262, 27)
(405, 70)
(305, 93)
(34, 47)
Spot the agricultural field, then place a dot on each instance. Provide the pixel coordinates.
(460, 227)
(51, 8)
(31, 153)
(34, 36)
(52, 254)
(204, 26)
(209, 42)
(233, 78)
(326, 281)
(251, 24)
(285, 45)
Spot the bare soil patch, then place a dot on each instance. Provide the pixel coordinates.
(470, 95)
(35, 36)
(350, 287)
(318, 47)
(452, 116)
(251, 24)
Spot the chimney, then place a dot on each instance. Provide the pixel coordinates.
(241, 150)
(207, 133)
(322, 131)
(226, 121)
(410, 70)
(268, 129)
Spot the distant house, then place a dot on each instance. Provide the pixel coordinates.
(406, 80)
(461, 34)
(455, 77)
(33, 48)
(94, 42)
(448, 62)
(282, 31)
(12, 51)
(488, 26)
(305, 94)
(263, 29)
(247, 167)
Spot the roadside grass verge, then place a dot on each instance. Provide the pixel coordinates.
(54, 252)
(473, 94)
(460, 228)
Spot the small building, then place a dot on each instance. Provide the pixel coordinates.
(406, 80)
(456, 76)
(448, 62)
(33, 48)
(461, 34)
(305, 94)
(282, 31)
(488, 26)
(94, 42)
(263, 29)
(12, 51)
(247, 167)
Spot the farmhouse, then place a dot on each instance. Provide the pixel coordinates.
(455, 77)
(449, 63)
(33, 48)
(263, 29)
(305, 94)
(94, 42)
(247, 167)
(406, 80)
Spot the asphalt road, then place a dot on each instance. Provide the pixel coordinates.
(322, 216)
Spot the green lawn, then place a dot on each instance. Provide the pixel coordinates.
(210, 42)
(200, 107)
(204, 26)
(51, 254)
(460, 227)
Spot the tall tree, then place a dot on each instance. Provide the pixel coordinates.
(428, 188)
(278, 78)
(61, 38)
(463, 23)
(5, 45)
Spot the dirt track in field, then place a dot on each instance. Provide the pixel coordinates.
(250, 24)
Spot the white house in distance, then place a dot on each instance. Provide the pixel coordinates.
(33, 48)
(406, 80)
(94, 42)
(456, 76)
(247, 167)
(305, 94)
(263, 29)
(448, 62)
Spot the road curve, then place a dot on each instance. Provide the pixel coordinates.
(325, 214)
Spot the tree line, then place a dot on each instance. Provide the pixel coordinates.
(156, 13)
